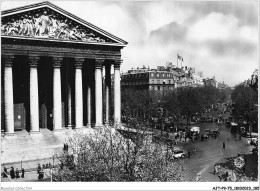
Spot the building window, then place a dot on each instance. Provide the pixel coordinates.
(163, 75)
(152, 87)
(152, 74)
(169, 87)
(158, 75)
(158, 81)
(152, 81)
(159, 88)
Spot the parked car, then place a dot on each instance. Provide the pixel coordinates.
(254, 141)
(228, 124)
(208, 131)
(178, 154)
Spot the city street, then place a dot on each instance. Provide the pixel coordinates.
(210, 152)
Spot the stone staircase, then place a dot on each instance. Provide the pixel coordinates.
(32, 149)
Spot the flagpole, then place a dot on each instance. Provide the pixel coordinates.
(177, 61)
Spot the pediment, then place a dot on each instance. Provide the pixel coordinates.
(47, 21)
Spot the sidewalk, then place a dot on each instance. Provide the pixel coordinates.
(30, 150)
(31, 176)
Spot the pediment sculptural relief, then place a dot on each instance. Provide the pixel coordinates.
(46, 23)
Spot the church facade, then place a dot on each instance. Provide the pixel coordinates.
(52, 69)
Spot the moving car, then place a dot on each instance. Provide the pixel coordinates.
(178, 154)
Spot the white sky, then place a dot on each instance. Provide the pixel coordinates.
(218, 38)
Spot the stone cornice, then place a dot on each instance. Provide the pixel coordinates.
(64, 51)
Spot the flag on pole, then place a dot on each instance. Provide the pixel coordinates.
(178, 56)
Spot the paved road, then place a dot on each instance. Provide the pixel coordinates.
(210, 152)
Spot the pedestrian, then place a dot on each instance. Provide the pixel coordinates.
(248, 142)
(189, 153)
(224, 145)
(17, 175)
(22, 173)
(226, 176)
(194, 150)
(12, 173)
(5, 172)
(39, 169)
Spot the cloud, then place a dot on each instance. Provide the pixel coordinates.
(214, 26)
(231, 48)
(246, 12)
(172, 32)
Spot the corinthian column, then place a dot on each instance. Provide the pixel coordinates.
(78, 92)
(57, 117)
(107, 89)
(117, 92)
(8, 94)
(34, 100)
(98, 92)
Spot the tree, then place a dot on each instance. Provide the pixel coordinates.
(138, 103)
(245, 100)
(189, 102)
(106, 155)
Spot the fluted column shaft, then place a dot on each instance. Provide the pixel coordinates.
(78, 92)
(107, 89)
(34, 98)
(117, 92)
(69, 106)
(57, 117)
(89, 105)
(8, 94)
(98, 91)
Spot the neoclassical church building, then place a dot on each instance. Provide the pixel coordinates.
(56, 71)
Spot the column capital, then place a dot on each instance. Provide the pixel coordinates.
(117, 64)
(34, 61)
(8, 60)
(57, 62)
(99, 63)
(79, 62)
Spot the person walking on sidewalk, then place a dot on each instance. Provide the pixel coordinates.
(194, 150)
(39, 169)
(224, 145)
(5, 172)
(12, 173)
(22, 173)
(17, 175)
